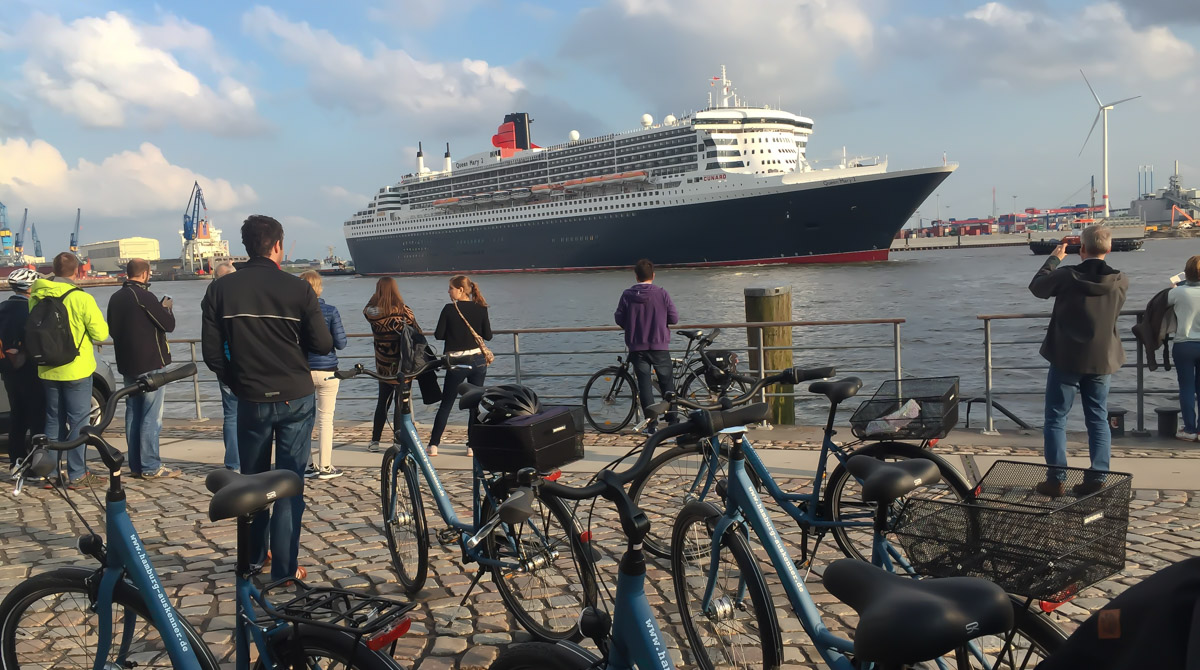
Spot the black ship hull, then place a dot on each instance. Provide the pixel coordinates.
(850, 219)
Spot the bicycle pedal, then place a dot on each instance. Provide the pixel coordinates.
(447, 537)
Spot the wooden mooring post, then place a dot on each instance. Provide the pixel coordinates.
(764, 305)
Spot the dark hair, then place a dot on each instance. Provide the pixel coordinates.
(136, 268)
(387, 298)
(1191, 269)
(259, 235)
(464, 283)
(644, 270)
(66, 264)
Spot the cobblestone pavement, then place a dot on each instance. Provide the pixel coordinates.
(343, 544)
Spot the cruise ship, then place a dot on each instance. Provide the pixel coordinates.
(729, 185)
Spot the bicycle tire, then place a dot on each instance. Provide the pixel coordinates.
(842, 501)
(551, 617)
(691, 551)
(57, 649)
(1034, 639)
(539, 656)
(328, 650)
(611, 396)
(410, 556)
(695, 376)
(671, 493)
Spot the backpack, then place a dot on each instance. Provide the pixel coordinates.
(48, 337)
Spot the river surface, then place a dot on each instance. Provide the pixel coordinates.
(938, 293)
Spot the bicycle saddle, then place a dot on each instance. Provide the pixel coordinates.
(903, 620)
(235, 494)
(884, 481)
(837, 391)
(471, 395)
(690, 334)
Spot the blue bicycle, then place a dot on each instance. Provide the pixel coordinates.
(541, 567)
(119, 615)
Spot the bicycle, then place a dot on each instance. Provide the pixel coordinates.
(539, 567)
(118, 615)
(631, 636)
(611, 400)
(691, 471)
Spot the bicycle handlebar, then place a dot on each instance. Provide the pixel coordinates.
(360, 369)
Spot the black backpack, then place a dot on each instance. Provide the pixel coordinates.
(48, 337)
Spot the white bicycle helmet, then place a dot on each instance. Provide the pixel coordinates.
(22, 278)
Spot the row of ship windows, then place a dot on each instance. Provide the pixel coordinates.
(525, 208)
(427, 230)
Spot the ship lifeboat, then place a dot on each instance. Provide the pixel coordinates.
(499, 196)
(540, 189)
(445, 202)
(521, 193)
(466, 200)
(483, 197)
(630, 177)
(594, 181)
(573, 184)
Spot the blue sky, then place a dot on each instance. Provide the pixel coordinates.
(302, 109)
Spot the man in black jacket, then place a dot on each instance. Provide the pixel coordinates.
(139, 322)
(26, 397)
(260, 323)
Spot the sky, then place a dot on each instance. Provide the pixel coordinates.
(302, 110)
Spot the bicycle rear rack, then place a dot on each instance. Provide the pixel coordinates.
(347, 611)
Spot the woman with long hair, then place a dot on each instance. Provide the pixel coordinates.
(1185, 298)
(463, 325)
(387, 314)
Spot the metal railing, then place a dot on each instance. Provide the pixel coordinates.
(1139, 389)
(556, 366)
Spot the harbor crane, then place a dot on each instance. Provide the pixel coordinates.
(19, 238)
(195, 217)
(37, 244)
(75, 234)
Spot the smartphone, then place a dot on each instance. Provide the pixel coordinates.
(1177, 279)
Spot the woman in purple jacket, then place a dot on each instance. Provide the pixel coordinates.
(320, 465)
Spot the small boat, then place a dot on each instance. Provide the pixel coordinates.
(482, 197)
(637, 175)
(521, 193)
(594, 181)
(573, 184)
(500, 196)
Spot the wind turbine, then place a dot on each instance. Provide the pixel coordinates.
(1102, 112)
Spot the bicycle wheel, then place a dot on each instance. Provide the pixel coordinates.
(48, 621)
(539, 656)
(404, 521)
(609, 399)
(695, 388)
(1034, 638)
(675, 477)
(314, 647)
(555, 579)
(843, 495)
(741, 629)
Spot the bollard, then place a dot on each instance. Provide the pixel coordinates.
(1168, 421)
(767, 305)
(1116, 421)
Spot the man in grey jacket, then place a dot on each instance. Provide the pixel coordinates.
(1084, 350)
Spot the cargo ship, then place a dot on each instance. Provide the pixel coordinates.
(729, 185)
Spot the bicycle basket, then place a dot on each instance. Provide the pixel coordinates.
(718, 364)
(1029, 544)
(545, 441)
(908, 409)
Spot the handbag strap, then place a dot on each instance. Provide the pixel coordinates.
(478, 339)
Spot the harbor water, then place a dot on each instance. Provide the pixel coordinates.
(939, 293)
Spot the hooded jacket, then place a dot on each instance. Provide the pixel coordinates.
(333, 320)
(645, 311)
(87, 327)
(139, 324)
(1082, 336)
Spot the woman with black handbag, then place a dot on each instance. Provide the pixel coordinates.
(463, 326)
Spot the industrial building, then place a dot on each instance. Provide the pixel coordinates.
(111, 256)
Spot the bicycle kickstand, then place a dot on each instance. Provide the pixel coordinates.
(462, 603)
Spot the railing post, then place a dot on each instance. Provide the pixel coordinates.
(517, 356)
(195, 383)
(1141, 390)
(762, 363)
(987, 375)
(896, 347)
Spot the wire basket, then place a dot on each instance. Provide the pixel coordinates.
(909, 409)
(1028, 543)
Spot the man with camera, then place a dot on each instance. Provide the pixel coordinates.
(1084, 350)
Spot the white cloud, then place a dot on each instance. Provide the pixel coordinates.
(132, 183)
(420, 13)
(454, 95)
(771, 47)
(342, 195)
(105, 70)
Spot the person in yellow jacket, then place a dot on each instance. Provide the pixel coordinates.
(69, 387)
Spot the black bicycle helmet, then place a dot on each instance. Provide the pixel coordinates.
(506, 401)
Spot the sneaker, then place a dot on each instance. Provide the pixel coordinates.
(1051, 489)
(311, 471)
(431, 450)
(329, 472)
(1185, 436)
(650, 429)
(163, 472)
(87, 481)
(1086, 488)
(373, 447)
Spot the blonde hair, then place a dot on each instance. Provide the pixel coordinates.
(464, 283)
(1191, 269)
(314, 279)
(1097, 240)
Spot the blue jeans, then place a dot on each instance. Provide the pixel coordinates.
(661, 362)
(143, 424)
(1061, 388)
(454, 377)
(289, 425)
(1187, 367)
(67, 407)
(229, 405)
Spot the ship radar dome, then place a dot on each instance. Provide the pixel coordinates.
(647, 120)
(670, 119)
(574, 135)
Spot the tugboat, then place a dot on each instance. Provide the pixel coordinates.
(333, 266)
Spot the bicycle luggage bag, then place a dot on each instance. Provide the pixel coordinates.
(545, 441)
